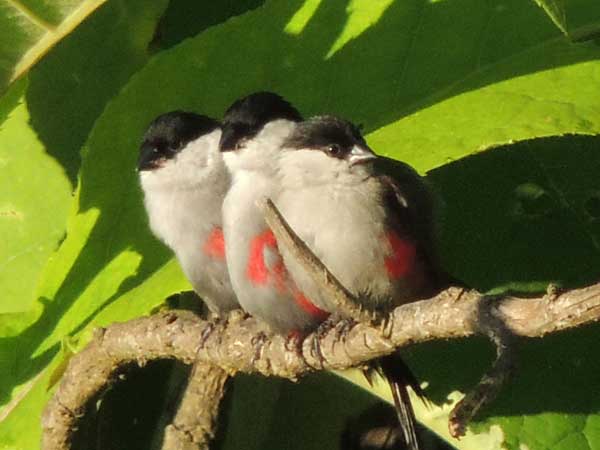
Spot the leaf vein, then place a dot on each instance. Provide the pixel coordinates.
(32, 16)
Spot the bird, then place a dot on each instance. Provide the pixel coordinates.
(369, 220)
(254, 127)
(184, 182)
(371, 230)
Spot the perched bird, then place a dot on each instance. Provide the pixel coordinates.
(373, 231)
(184, 181)
(254, 129)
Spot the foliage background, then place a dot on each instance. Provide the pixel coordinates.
(498, 101)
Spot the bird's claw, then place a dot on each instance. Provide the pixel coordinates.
(258, 342)
(208, 330)
(342, 328)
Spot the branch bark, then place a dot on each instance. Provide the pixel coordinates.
(195, 423)
(230, 345)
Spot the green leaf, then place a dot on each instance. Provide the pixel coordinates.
(322, 407)
(31, 28)
(531, 206)
(22, 430)
(184, 19)
(11, 98)
(34, 199)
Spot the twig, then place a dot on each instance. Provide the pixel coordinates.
(491, 383)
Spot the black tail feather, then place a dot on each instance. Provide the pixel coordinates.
(398, 375)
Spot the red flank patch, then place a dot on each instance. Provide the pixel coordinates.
(310, 307)
(214, 246)
(400, 263)
(257, 270)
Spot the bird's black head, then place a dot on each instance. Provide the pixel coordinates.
(247, 116)
(337, 138)
(168, 134)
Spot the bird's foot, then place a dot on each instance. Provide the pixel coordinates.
(258, 341)
(208, 331)
(339, 325)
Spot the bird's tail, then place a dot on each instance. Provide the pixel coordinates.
(395, 371)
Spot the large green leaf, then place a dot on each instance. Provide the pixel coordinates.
(29, 29)
(31, 228)
(431, 81)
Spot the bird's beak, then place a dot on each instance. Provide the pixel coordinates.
(360, 155)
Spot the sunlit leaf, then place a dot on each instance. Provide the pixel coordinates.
(31, 228)
(29, 29)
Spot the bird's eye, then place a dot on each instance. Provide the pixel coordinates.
(334, 149)
(160, 147)
(240, 144)
(173, 146)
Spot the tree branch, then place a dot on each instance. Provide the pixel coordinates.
(450, 314)
(195, 423)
